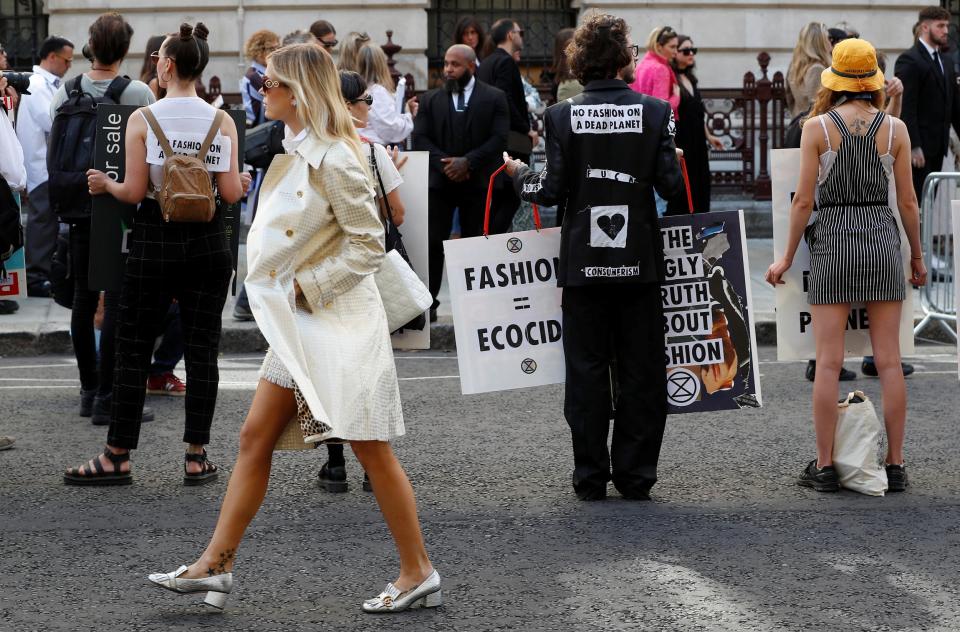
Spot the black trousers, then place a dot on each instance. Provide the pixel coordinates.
(621, 322)
(96, 366)
(443, 201)
(189, 262)
(931, 164)
(41, 235)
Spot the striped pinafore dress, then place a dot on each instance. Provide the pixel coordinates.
(854, 241)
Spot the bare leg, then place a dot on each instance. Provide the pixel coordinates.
(399, 507)
(829, 325)
(885, 337)
(271, 410)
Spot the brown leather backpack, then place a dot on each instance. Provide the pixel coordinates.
(186, 194)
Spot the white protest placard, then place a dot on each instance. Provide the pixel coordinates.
(955, 211)
(795, 339)
(413, 194)
(506, 310)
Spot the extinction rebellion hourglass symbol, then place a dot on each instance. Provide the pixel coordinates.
(528, 366)
(514, 245)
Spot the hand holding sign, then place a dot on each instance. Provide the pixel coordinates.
(97, 182)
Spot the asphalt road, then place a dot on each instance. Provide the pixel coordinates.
(729, 542)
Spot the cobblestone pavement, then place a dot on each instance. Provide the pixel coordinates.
(729, 542)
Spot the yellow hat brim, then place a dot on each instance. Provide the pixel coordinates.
(835, 82)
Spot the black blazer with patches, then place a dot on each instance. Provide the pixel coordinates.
(930, 103)
(607, 147)
(484, 130)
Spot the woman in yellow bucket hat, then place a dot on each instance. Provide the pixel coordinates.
(850, 149)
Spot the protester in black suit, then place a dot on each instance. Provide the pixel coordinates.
(607, 150)
(464, 127)
(500, 69)
(930, 103)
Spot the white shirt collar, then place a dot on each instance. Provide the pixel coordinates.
(291, 142)
(467, 92)
(48, 76)
(930, 49)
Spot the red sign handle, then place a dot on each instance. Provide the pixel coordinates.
(486, 210)
(686, 183)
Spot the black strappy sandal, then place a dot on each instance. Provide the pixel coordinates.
(75, 475)
(208, 472)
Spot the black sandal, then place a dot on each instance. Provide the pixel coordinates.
(208, 472)
(76, 476)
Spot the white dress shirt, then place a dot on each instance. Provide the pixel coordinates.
(33, 124)
(931, 50)
(386, 125)
(467, 93)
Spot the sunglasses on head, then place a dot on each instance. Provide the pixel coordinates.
(368, 99)
(688, 51)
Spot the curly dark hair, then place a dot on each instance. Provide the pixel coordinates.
(599, 48)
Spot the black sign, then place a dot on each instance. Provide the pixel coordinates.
(112, 220)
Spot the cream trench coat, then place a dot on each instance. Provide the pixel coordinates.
(317, 223)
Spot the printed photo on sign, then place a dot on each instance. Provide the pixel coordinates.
(606, 118)
(795, 339)
(608, 226)
(188, 144)
(710, 347)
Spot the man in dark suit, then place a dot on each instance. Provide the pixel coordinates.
(500, 69)
(930, 102)
(607, 150)
(464, 127)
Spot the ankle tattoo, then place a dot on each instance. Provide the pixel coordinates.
(226, 557)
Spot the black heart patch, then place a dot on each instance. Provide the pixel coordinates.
(611, 224)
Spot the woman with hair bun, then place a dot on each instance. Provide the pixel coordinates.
(189, 262)
(311, 253)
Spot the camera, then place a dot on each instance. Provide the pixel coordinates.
(19, 81)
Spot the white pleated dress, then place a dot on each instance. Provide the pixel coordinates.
(317, 224)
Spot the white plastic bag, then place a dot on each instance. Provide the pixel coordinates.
(858, 446)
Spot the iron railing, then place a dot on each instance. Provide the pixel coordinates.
(938, 296)
(23, 26)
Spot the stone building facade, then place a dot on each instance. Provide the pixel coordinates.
(728, 33)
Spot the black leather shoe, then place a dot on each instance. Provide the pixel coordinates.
(433, 314)
(86, 402)
(845, 374)
(592, 494)
(101, 411)
(333, 479)
(870, 369)
(823, 479)
(8, 307)
(896, 478)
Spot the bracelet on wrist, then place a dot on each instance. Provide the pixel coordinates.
(920, 257)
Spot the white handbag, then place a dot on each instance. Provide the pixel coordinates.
(858, 446)
(403, 294)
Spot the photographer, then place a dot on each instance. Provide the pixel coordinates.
(33, 126)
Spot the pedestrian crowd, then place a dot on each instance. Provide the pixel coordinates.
(322, 209)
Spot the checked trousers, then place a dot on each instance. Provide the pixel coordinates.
(189, 262)
(620, 324)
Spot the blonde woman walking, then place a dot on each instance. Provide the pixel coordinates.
(311, 254)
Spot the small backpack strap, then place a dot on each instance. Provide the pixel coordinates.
(157, 131)
(211, 134)
(116, 88)
(75, 87)
(826, 134)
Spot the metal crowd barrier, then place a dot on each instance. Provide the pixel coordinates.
(938, 296)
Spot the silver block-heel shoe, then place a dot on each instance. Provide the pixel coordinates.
(426, 595)
(217, 587)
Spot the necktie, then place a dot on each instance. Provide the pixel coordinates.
(461, 106)
(936, 62)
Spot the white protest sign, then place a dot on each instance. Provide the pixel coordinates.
(795, 339)
(506, 310)
(955, 211)
(413, 194)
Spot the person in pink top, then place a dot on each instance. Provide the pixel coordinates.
(654, 73)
